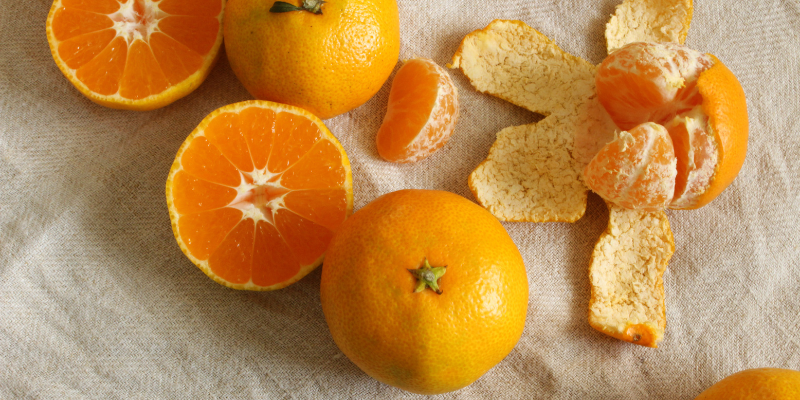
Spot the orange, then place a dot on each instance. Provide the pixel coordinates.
(328, 63)
(256, 192)
(756, 384)
(422, 112)
(424, 330)
(696, 98)
(135, 54)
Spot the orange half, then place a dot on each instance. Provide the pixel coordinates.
(256, 192)
(135, 54)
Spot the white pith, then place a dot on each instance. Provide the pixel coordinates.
(131, 26)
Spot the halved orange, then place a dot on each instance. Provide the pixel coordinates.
(697, 99)
(135, 54)
(422, 112)
(256, 192)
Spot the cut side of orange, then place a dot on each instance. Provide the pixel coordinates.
(135, 54)
(690, 95)
(256, 192)
(422, 112)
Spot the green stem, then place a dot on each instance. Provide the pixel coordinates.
(312, 6)
(428, 277)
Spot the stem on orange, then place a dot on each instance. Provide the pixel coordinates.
(312, 6)
(428, 276)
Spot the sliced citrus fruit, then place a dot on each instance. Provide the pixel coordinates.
(135, 54)
(422, 112)
(256, 192)
(697, 99)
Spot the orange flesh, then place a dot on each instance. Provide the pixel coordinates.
(255, 214)
(130, 59)
(418, 88)
(644, 82)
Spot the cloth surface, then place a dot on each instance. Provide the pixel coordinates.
(97, 300)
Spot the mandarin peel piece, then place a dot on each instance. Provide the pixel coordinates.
(532, 172)
(649, 21)
(626, 276)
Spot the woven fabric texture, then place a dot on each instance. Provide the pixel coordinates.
(97, 300)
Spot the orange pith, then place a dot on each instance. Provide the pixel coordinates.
(699, 102)
(135, 54)
(422, 112)
(256, 193)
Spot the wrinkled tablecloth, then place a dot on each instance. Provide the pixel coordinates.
(97, 300)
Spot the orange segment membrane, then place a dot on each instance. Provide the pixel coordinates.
(70, 22)
(233, 259)
(142, 76)
(196, 33)
(193, 195)
(320, 168)
(103, 73)
(326, 207)
(204, 232)
(294, 136)
(307, 240)
(273, 261)
(176, 60)
(205, 161)
(225, 133)
(258, 128)
(81, 49)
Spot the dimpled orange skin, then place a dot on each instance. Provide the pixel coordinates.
(724, 103)
(327, 64)
(424, 342)
(756, 384)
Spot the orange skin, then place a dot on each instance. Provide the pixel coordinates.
(756, 384)
(424, 342)
(327, 64)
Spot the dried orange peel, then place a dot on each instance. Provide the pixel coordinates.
(532, 172)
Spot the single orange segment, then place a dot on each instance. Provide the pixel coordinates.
(256, 192)
(135, 54)
(422, 112)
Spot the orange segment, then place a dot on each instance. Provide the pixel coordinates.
(204, 160)
(204, 232)
(307, 240)
(233, 259)
(273, 262)
(700, 102)
(256, 193)
(143, 76)
(79, 50)
(193, 195)
(636, 170)
(135, 54)
(422, 112)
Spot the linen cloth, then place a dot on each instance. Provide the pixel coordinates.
(97, 300)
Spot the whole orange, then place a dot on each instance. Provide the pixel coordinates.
(327, 63)
(756, 384)
(399, 330)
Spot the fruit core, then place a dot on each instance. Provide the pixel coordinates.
(260, 195)
(137, 19)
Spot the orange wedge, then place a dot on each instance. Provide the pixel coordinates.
(422, 112)
(256, 192)
(135, 54)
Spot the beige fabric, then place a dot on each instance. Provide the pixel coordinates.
(97, 301)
